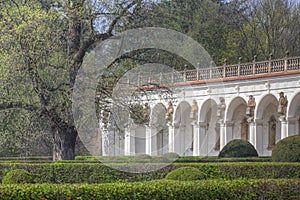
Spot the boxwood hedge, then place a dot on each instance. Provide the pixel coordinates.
(162, 189)
(100, 173)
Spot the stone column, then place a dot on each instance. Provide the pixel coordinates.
(129, 141)
(252, 134)
(283, 127)
(223, 140)
(151, 141)
(171, 138)
(196, 140)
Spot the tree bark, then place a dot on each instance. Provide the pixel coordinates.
(64, 139)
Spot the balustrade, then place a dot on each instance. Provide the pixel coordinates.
(242, 69)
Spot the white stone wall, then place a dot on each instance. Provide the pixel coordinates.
(158, 138)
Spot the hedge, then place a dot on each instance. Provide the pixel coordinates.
(100, 173)
(287, 150)
(238, 148)
(126, 159)
(162, 189)
(186, 174)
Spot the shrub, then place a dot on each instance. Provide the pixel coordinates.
(186, 174)
(100, 173)
(162, 189)
(17, 176)
(287, 150)
(238, 148)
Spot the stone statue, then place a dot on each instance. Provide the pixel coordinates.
(169, 114)
(194, 112)
(282, 104)
(250, 108)
(147, 112)
(221, 109)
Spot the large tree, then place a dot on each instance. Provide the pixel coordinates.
(43, 43)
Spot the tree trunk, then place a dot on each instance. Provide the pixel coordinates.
(64, 139)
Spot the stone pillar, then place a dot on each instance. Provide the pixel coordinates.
(283, 127)
(151, 141)
(129, 141)
(196, 140)
(223, 140)
(148, 140)
(252, 134)
(171, 138)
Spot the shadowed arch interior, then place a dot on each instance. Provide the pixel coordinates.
(183, 135)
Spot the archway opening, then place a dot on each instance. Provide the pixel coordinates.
(268, 126)
(183, 133)
(209, 129)
(160, 134)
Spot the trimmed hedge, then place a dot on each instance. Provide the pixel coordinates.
(163, 189)
(238, 148)
(17, 176)
(100, 173)
(186, 174)
(166, 158)
(287, 150)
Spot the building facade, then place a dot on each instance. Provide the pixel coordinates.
(258, 102)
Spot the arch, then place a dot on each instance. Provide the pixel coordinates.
(208, 104)
(209, 130)
(182, 113)
(268, 126)
(293, 106)
(159, 130)
(236, 113)
(263, 103)
(158, 115)
(293, 114)
(183, 133)
(234, 104)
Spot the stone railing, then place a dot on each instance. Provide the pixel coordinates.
(221, 72)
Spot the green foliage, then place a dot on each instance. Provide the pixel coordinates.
(100, 173)
(238, 148)
(287, 150)
(239, 189)
(186, 174)
(17, 176)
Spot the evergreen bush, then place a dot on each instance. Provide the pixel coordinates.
(186, 174)
(17, 176)
(287, 150)
(238, 148)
